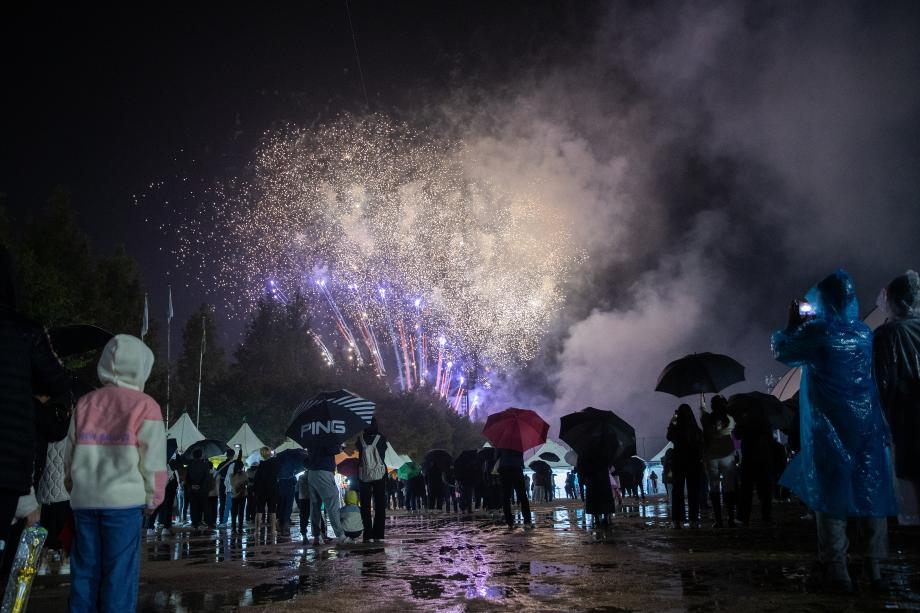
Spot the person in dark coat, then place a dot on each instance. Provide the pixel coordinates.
(896, 360)
(757, 463)
(198, 483)
(372, 474)
(434, 482)
(511, 473)
(594, 474)
(265, 485)
(28, 367)
(686, 469)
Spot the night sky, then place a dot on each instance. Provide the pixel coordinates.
(718, 157)
(105, 103)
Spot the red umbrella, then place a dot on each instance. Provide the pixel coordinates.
(518, 429)
(348, 467)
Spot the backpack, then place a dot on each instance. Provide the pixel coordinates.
(372, 467)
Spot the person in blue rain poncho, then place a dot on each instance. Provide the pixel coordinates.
(843, 469)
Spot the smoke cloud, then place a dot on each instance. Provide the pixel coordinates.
(717, 158)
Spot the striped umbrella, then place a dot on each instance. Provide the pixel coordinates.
(329, 418)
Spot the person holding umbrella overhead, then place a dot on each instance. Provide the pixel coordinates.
(512, 432)
(323, 490)
(600, 439)
(687, 437)
(320, 425)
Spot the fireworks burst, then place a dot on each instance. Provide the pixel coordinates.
(388, 225)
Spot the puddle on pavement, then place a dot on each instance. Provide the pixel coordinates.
(443, 561)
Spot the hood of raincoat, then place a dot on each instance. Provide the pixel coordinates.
(834, 298)
(903, 296)
(126, 362)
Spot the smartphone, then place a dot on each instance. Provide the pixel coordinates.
(806, 309)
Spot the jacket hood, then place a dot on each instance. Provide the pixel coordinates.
(834, 298)
(903, 296)
(126, 362)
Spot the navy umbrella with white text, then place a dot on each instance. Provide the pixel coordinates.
(330, 418)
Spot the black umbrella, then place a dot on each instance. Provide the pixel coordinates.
(699, 373)
(290, 462)
(539, 466)
(549, 456)
(467, 465)
(598, 436)
(634, 466)
(209, 448)
(77, 339)
(330, 418)
(487, 457)
(437, 458)
(760, 410)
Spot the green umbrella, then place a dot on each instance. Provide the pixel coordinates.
(408, 470)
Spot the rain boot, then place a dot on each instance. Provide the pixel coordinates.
(716, 509)
(258, 521)
(272, 523)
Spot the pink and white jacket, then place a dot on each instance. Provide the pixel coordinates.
(116, 455)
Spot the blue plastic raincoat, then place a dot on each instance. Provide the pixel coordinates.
(844, 467)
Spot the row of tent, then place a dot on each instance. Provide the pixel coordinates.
(185, 433)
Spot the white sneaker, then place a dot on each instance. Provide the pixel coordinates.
(166, 532)
(151, 532)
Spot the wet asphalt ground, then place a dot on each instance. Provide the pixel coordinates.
(450, 562)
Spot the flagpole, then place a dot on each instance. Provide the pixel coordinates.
(169, 316)
(145, 325)
(200, 369)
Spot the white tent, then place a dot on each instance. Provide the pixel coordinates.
(288, 443)
(185, 432)
(658, 456)
(550, 447)
(393, 459)
(246, 439)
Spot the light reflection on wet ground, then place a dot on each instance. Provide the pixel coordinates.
(451, 562)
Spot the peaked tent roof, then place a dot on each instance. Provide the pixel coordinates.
(657, 457)
(185, 432)
(288, 443)
(554, 447)
(246, 439)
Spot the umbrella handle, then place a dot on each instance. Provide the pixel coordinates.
(702, 400)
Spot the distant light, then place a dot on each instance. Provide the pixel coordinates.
(382, 291)
(450, 364)
(418, 302)
(462, 380)
(271, 282)
(443, 341)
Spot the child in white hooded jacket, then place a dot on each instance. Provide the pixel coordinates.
(115, 469)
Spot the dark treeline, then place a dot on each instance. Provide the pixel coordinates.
(277, 365)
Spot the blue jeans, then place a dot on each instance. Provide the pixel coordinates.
(324, 493)
(833, 544)
(106, 560)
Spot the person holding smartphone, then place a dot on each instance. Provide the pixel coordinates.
(843, 470)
